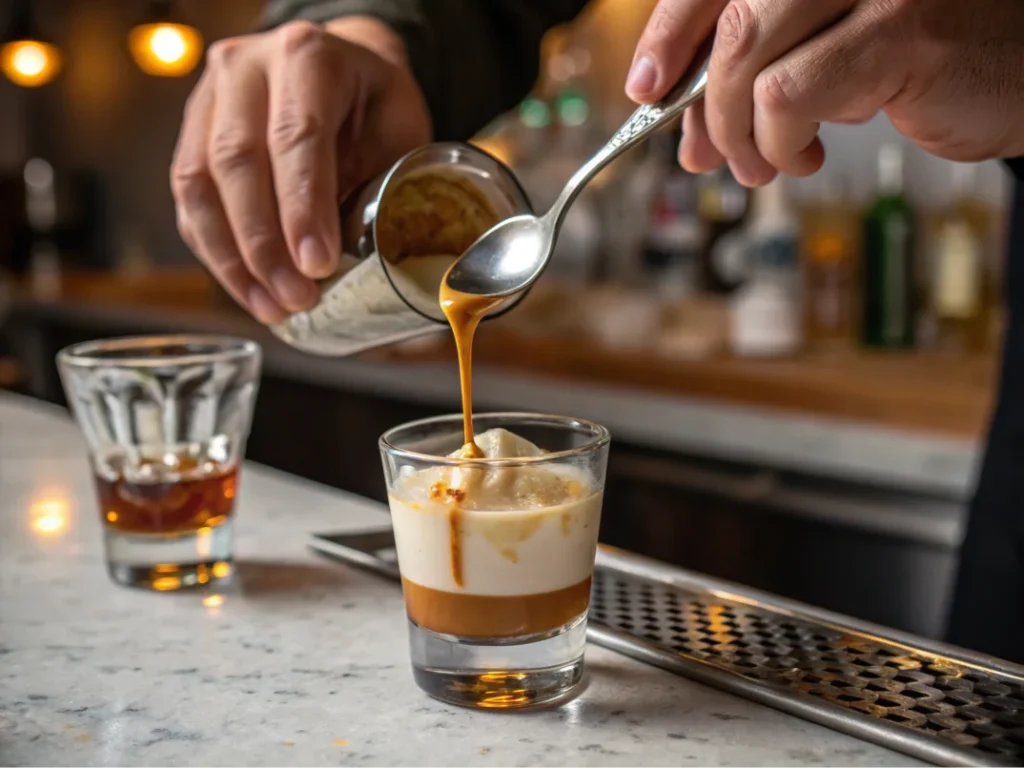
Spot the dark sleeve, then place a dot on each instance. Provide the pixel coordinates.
(1016, 166)
(474, 59)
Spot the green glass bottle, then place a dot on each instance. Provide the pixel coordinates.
(890, 290)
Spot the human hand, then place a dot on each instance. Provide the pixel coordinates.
(949, 74)
(282, 126)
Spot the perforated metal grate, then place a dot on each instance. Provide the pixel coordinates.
(944, 705)
(956, 702)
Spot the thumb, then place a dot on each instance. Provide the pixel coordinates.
(668, 44)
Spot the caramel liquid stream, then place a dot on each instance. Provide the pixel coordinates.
(464, 312)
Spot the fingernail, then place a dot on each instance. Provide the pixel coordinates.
(293, 290)
(314, 258)
(263, 306)
(643, 77)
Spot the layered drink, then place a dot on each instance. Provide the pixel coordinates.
(496, 546)
(496, 551)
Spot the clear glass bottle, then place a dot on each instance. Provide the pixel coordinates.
(962, 296)
(767, 309)
(829, 246)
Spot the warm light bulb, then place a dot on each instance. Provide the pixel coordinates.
(165, 49)
(168, 45)
(29, 63)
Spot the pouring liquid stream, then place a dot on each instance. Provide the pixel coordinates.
(464, 312)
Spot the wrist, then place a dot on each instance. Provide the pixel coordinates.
(372, 34)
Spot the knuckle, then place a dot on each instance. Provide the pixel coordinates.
(296, 36)
(190, 184)
(896, 9)
(222, 52)
(775, 92)
(184, 228)
(292, 128)
(893, 21)
(232, 149)
(259, 247)
(736, 32)
(666, 20)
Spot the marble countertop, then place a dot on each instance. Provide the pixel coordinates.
(301, 661)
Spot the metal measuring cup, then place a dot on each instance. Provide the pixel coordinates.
(377, 298)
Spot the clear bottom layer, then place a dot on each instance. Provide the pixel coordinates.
(166, 563)
(506, 673)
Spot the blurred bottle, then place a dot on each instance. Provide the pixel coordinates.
(723, 206)
(962, 297)
(829, 246)
(766, 310)
(576, 256)
(889, 316)
(550, 141)
(628, 207)
(672, 247)
(44, 265)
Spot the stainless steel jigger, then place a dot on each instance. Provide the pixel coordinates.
(373, 301)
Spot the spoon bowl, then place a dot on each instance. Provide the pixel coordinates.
(505, 258)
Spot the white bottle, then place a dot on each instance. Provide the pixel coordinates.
(766, 310)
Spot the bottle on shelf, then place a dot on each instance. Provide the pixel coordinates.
(962, 298)
(767, 308)
(890, 282)
(829, 247)
(44, 264)
(672, 246)
(723, 205)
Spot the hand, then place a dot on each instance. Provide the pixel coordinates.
(282, 126)
(948, 73)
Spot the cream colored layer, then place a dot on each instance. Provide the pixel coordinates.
(480, 486)
(516, 552)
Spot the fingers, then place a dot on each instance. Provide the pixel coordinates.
(786, 140)
(751, 34)
(201, 218)
(844, 75)
(240, 165)
(667, 46)
(696, 152)
(310, 91)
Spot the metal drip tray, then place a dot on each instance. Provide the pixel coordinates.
(942, 704)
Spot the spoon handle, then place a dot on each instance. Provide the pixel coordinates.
(642, 123)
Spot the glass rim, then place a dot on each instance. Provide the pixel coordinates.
(601, 438)
(95, 353)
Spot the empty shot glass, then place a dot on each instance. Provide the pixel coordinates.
(166, 419)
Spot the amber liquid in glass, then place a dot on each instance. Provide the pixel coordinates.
(183, 498)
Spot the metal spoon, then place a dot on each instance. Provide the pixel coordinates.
(511, 255)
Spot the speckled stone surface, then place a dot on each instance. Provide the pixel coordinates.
(304, 661)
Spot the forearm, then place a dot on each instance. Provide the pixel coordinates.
(474, 59)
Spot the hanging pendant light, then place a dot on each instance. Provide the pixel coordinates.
(26, 58)
(164, 47)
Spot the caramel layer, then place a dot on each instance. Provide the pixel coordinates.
(464, 615)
